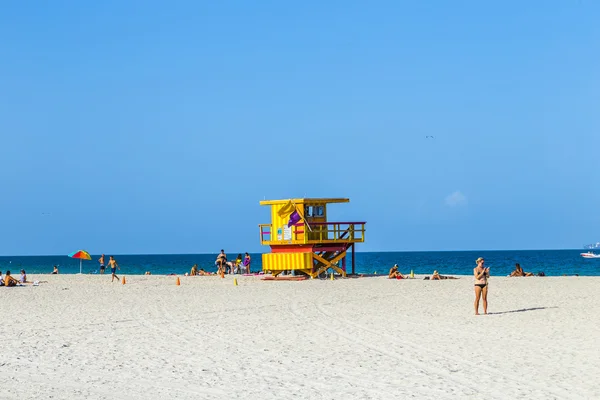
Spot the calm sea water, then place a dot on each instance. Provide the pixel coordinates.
(551, 262)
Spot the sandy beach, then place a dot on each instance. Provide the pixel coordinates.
(79, 336)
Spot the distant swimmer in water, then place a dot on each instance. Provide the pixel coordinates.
(101, 261)
(112, 263)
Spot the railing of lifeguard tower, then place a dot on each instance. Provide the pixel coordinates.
(320, 232)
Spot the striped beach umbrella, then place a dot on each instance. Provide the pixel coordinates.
(82, 255)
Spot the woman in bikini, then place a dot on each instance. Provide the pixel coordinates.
(519, 271)
(394, 273)
(481, 275)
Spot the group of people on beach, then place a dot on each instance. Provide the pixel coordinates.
(480, 274)
(8, 280)
(240, 265)
(112, 264)
(395, 274)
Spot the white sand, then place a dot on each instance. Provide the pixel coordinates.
(368, 338)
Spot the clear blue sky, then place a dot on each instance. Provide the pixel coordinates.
(156, 127)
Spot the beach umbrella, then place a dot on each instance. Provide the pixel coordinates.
(82, 255)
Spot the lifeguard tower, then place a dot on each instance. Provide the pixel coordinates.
(302, 240)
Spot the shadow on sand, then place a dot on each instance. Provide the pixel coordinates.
(521, 310)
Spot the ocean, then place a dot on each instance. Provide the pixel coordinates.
(551, 262)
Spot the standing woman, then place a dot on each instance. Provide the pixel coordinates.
(246, 263)
(481, 288)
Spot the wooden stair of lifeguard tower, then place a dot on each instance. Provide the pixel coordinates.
(329, 259)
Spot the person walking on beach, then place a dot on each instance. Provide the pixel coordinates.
(101, 261)
(112, 263)
(481, 275)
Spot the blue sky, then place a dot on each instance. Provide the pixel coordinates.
(156, 127)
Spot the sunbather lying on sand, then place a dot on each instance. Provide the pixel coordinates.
(436, 277)
(394, 273)
(519, 271)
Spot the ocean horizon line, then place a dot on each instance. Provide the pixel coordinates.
(267, 251)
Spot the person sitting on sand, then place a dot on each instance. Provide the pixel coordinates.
(23, 278)
(194, 270)
(436, 276)
(394, 273)
(238, 264)
(1, 279)
(9, 280)
(519, 271)
(55, 270)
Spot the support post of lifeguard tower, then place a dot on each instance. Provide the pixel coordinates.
(302, 240)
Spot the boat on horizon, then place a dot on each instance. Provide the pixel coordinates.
(590, 254)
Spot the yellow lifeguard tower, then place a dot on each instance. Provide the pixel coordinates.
(302, 240)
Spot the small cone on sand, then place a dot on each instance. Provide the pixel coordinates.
(332, 276)
(235, 282)
(123, 281)
(177, 282)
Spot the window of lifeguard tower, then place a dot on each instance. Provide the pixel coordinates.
(314, 213)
